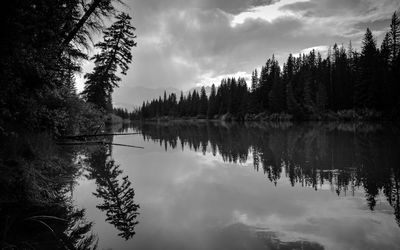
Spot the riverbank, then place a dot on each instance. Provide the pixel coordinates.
(366, 115)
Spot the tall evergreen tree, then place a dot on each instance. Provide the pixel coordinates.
(115, 53)
(277, 94)
(322, 75)
(243, 96)
(203, 102)
(367, 89)
(212, 103)
(288, 77)
(255, 104)
(386, 94)
(394, 44)
(394, 34)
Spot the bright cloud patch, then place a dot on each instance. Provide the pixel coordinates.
(268, 12)
(210, 78)
(323, 50)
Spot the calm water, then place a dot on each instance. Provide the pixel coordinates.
(252, 186)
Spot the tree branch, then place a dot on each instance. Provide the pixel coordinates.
(80, 24)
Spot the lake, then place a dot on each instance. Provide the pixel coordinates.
(211, 185)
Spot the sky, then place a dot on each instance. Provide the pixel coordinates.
(188, 43)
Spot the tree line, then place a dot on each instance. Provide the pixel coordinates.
(306, 86)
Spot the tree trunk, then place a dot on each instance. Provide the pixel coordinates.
(80, 24)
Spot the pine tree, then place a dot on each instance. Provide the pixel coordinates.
(367, 88)
(385, 51)
(115, 53)
(386, 94)
(212, 103)
(394, 43)
(255, 95)
(254, 81)
(288, 78)
(394, 37)
(322, 93)
(277, 94)
(265, 85)
(194, 103)
(309, 78)
(203, 102)
(243, 96)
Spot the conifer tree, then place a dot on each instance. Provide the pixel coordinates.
(386, 95)
(242, 95)
(394, 37)
(254, 81)
(394, 43)
(367, 88)
(203, 102)
(322, 93)
(115, 53)
(288, 78)
(277, 94)
(212, 103)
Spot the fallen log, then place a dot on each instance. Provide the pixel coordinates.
(93, 135)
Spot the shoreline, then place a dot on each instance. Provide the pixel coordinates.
(339, 116)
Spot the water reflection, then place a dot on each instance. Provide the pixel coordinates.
(36, 209)
(37, 183)
(115, 191)
(344, 156)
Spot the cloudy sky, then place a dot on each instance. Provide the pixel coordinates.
(187, 43)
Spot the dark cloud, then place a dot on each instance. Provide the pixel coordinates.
(377, 25)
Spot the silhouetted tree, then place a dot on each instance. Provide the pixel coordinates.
(366, 89)
(212, 104)
(115, 52)
(203, 106)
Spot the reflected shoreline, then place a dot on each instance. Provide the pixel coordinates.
(345, 156)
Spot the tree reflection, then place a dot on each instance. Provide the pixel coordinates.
(116, 193)
(36, 182)
(56, 226)
(342, 156)
(36, 210)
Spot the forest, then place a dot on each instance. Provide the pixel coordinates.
(43, 46)
(347, 84)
